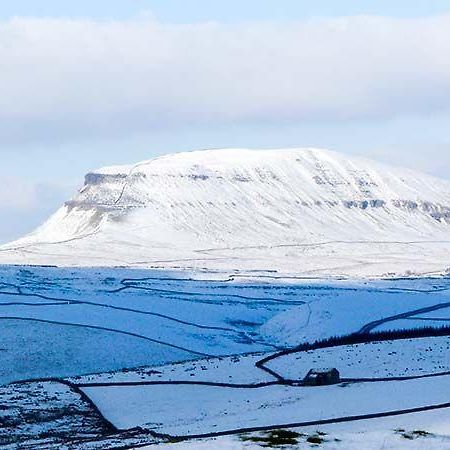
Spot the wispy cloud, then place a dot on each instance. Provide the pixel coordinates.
(62, 79)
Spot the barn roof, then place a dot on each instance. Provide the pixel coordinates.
(322, 369)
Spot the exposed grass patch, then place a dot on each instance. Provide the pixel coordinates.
(407, 436)
(410, 435)
(421, 433)
(282, 438)
(316, 439)
(274, 438)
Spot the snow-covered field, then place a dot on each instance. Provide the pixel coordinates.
(401, 358)
(405, 432)
(192, 410)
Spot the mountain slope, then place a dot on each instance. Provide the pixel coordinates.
(306, 211)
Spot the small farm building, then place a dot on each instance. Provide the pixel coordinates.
(322, 377)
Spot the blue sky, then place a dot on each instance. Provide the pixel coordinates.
(91, 83)
(188, 11)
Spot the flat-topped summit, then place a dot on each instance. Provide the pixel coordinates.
(240, 206)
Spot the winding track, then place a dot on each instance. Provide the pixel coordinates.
(406, 315)
(111, 330)
(131, 284)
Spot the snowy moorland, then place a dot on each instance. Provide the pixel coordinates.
(190, 343)
(61, 321)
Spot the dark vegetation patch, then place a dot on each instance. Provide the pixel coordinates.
(411, 435)
(363, 338)
(316, 439)
(359, 338)
(420, 433)
(243, 323)
(274, 438)
(282, 438)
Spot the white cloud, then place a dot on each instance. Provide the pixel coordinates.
(17, 193)
(430, 158)
(25, 204)
(62, 79)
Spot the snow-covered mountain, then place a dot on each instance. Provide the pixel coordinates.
(304, 211)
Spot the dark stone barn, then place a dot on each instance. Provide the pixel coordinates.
(322, 377)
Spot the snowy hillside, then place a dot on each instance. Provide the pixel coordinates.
(309, 212)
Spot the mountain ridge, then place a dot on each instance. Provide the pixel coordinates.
(188, 203)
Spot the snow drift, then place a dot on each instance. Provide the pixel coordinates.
(306, 211)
